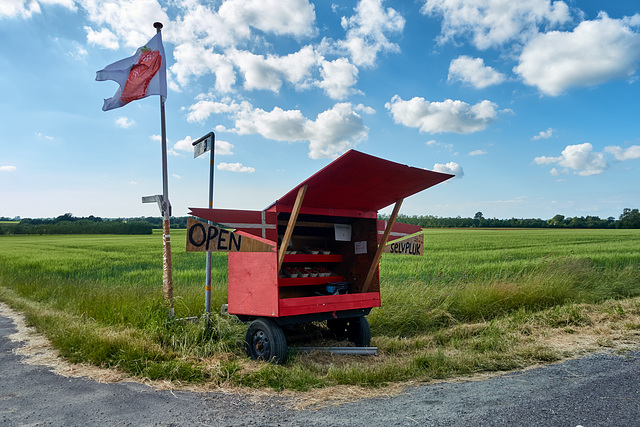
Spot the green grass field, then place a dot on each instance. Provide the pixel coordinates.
(478, 300)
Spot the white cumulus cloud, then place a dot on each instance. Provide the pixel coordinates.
(47, 137)
(125, 122)
(338, 78)
(223, 148)
(446, 116)
(543, 134)
(195, 60)
(269, 72)
(451, 168)
(367, 31)
(185, 144)
(201, 110)
(8, 168)
(593, 53)
(277, 124)
(621, 154)
(580, 158)
(209, 41)
(130, 21)
(229, 40)
(26, 8)
(280, 17)
(477, 152)
(235, 167)
(491, 23)
(472, 71)
(333, 132)
(103, 38)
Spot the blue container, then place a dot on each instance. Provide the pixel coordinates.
(337, 288)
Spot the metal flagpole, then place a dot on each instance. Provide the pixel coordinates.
(167, 274)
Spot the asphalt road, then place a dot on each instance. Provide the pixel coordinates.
(598, 390)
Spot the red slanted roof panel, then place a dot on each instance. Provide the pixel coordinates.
(358, 181)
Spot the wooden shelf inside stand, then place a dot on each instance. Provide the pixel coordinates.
(304, 281)
(312, 258)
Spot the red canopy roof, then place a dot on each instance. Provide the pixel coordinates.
(358, 181)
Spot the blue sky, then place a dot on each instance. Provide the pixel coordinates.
(532, 104)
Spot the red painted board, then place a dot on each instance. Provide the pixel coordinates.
(253, 283)
(358, 181)
(398, 230)
(257, 223)
(322, 304)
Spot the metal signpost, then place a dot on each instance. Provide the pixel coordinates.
(201, 146)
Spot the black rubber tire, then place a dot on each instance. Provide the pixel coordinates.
(354, 329)
(265, 340)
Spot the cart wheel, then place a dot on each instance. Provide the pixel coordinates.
(266, 341)
(355, 329)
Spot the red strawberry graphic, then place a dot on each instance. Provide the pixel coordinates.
(140, 75)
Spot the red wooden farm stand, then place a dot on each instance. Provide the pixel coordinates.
(329, 224)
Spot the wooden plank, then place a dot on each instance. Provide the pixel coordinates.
(259, 223)
(309, 224)
(312, 258)
(292, 223)
(398, 231)
(321, 304)
(203, 237)
(307, 281)
(383, 242)
(349, 213)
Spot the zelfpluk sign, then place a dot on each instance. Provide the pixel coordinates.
(411, 245)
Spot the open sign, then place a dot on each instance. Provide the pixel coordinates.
(203, 237)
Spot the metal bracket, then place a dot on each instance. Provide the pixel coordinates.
(162, 205)
(360, 351)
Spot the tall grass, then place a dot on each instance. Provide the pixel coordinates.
(468, 276)
(466, 306)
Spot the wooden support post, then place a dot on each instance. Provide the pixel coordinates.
(383, 242)
(291, 225)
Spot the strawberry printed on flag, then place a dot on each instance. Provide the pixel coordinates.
(139, 76)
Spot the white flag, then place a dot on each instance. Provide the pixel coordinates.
(140, 75)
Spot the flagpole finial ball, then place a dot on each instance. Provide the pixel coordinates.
(157, 25)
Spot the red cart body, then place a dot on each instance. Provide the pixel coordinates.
(335, 240)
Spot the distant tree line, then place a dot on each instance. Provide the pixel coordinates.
(176, 221)
(630, 218)
(69, 224)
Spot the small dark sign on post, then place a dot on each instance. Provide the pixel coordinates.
(202, 145)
